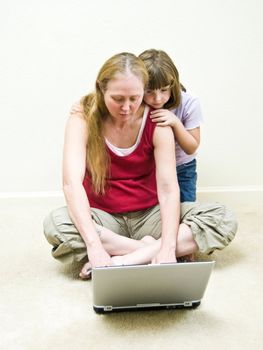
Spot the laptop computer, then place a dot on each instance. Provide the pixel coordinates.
(154, 286)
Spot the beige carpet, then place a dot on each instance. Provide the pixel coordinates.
(44, 306)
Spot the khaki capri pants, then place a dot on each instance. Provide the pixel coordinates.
(212, 224)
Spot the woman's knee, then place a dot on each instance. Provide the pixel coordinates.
(213, 225)
(62, 234)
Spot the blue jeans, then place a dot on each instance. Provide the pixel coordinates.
(187, 177)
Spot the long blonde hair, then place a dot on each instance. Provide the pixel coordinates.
(96, 112)
(163, 72)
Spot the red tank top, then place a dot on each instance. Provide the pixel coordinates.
(132, 183)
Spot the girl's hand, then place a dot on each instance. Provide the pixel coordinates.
(163, 117)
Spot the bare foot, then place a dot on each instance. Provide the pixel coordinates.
(126, 258)
(85, 272)
(118, 260)
(187, 258)
(148, 239)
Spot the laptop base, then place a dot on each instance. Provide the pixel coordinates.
(110, 309)
(149, 287)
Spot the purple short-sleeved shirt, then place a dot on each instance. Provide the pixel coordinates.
(190, 114)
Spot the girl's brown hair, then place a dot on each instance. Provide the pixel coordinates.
(163, 72)
(96, 112)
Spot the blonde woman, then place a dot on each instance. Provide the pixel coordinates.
(120, 185)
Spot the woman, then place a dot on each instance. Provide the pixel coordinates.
(120, 185)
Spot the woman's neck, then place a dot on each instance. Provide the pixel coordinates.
(124, 135)
(119, 124)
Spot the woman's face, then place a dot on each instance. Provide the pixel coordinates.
(123, 96)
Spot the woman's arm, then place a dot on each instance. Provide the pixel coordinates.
(188, 140)
(74, 167)
(168, 192)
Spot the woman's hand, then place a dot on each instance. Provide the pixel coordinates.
(97, 257)
(165, 256)
(163, 117)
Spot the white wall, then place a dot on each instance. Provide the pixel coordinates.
(52, 50)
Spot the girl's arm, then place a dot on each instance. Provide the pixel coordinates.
(188, 140)
(74, 167)
(168, 193)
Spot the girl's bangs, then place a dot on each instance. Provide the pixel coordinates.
(158, 80)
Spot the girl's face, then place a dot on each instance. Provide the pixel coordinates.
(123, 96)
(157, 98)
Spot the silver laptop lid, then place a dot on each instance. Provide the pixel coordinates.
(138, 286)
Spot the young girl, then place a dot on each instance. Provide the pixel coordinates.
(175, 107)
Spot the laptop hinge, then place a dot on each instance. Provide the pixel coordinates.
(107, 308)
(188, 303)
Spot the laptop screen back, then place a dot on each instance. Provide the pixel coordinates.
(144, 286)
